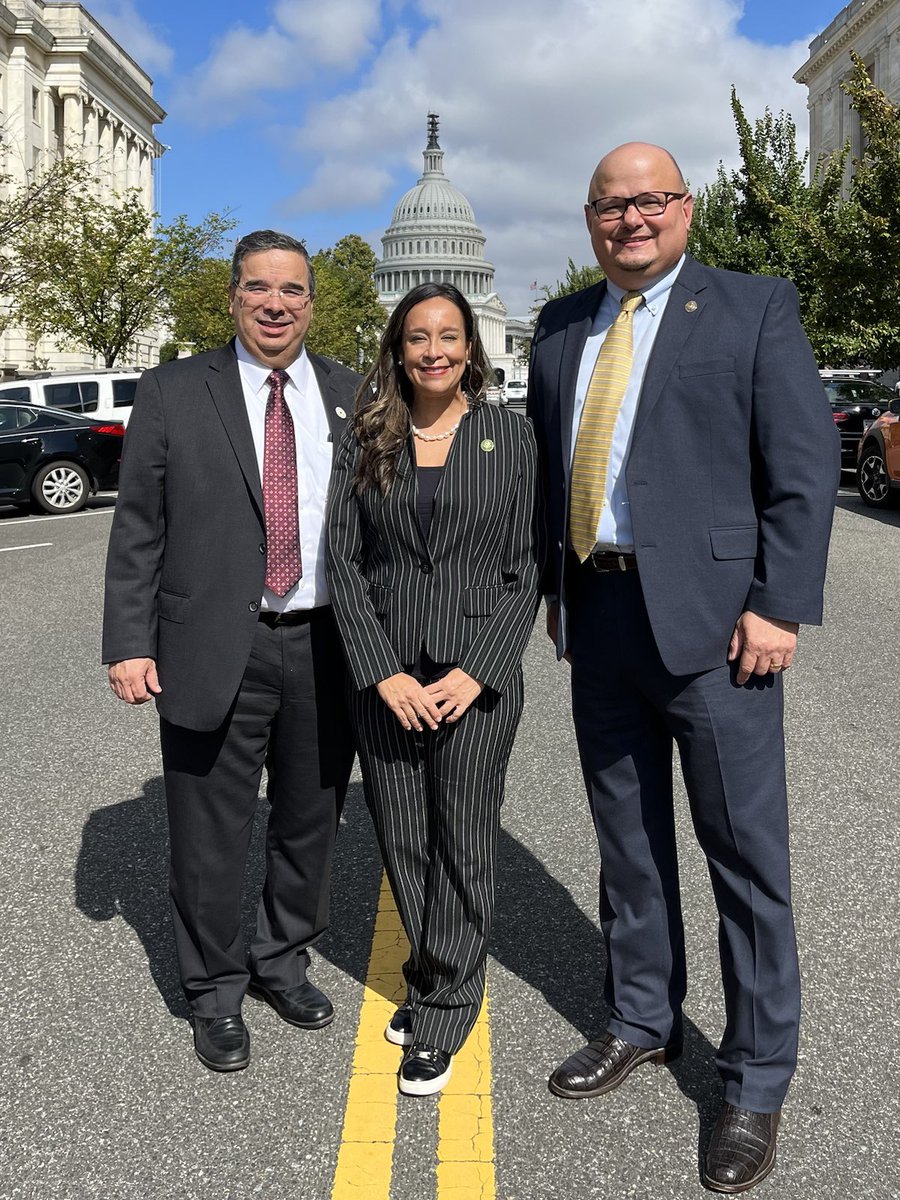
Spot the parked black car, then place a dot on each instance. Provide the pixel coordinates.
(855, 404)
(54, 460)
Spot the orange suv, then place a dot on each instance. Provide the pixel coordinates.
(878, 462)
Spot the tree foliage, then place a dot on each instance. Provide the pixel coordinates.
(101, 272)
(347, 319)
(198, 306)
(839, 243)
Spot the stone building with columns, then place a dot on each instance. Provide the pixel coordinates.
(872, 29)
(67, 88)
(434, 237)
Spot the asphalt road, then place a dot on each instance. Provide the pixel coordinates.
(102, 1097)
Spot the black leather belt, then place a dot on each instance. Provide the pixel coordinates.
(610, 560)
(298, 617)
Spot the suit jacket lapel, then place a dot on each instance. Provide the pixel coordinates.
(228, 396)
(338, 401)
(683, 311)
(577, 333)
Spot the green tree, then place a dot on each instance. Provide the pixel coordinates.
(838, 243)
(198, 305)
(100, 272)
(348, 319)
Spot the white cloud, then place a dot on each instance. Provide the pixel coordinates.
(530, 98)
(304, 38)
(120, 18)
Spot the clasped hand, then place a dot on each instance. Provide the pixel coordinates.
(444, 700)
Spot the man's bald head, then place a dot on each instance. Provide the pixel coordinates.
(632, 249)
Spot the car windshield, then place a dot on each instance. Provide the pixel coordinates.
(854, 391)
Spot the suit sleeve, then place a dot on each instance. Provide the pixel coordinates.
(137, 537)
(535, 411)
(496, 652)
(796, 453)
(370, 656)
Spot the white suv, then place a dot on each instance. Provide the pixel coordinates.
(105, 393)
(514, 392)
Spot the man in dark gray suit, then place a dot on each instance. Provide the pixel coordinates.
(689, 471)
(217, 607)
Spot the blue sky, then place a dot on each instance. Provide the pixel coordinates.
(309, 115)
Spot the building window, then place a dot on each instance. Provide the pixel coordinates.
(428, 247)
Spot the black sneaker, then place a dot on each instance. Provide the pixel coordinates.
(399, 1028)
(424, 1070)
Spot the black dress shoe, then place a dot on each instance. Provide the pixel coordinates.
(304, 1005)
(604, 1064)
(221, 1043)
(741, 1150)
(424, 1070)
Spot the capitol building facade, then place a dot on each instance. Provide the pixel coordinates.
(433, 237)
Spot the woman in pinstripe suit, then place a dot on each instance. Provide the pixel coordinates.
(434, 585)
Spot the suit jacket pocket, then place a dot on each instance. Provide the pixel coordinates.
(481, 601)
(712, 366)
(380, 597)
(172, 607)
(736, 541)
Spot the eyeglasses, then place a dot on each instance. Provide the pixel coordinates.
(648, 204)
(258, 293)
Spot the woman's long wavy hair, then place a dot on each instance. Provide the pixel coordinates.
(384, 400)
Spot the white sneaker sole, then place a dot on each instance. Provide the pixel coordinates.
(424, 1087)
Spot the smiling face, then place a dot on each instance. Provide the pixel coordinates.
(635, 251)
(434, 350)
(270, 328)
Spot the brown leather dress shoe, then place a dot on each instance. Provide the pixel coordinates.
(604, 1064)
(741, 1150)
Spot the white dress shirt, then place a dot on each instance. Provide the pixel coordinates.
(312, 437)
(614, 528)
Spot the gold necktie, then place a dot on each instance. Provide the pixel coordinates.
(605, 393)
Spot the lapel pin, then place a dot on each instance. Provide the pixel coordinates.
(340, 412)
(487, 445)
(691, 306)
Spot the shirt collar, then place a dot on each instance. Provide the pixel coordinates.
(653, 293)
(257, 374)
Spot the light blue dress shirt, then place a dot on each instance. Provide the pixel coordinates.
(614, 529)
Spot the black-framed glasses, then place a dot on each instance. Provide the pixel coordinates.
(258, 293)
(648, 204)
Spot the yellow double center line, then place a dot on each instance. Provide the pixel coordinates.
(465, 1149)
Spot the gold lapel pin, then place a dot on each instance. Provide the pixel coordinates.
(340, 412)
(691, 306)
(487, 445)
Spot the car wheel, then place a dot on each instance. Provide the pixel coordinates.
(872, 479)
(60, 487)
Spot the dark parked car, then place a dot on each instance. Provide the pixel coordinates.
(54, 460)
(855, 403)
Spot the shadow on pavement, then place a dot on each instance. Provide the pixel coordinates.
(854, 504)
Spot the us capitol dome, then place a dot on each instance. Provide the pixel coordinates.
(433, 237)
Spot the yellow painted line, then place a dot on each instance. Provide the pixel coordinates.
(465, 1151)
(370, 1119)
(465, 1169)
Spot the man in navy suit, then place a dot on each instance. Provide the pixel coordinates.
(679, 622)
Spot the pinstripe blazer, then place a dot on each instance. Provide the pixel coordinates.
(469, 593)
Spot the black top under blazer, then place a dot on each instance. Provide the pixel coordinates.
(732, 468)
(468, 593)
(187, 553)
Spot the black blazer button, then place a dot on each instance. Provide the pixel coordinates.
(253, 606)
(427, 568)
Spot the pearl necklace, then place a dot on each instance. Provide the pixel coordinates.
(434, 437)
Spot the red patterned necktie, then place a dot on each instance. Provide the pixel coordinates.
(283, 567)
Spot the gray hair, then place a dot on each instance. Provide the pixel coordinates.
(268, 239)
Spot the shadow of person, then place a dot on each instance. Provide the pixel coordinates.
(542, 936)
(122, 871)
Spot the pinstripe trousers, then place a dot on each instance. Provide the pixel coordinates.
(435, 801)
